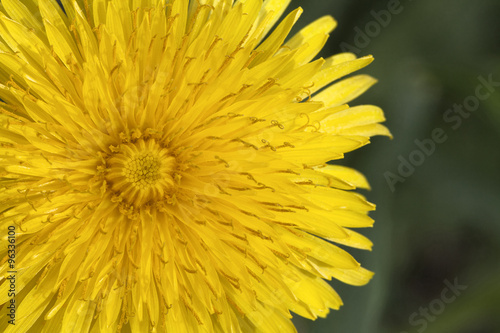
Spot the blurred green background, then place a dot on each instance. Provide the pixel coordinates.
(440, 226)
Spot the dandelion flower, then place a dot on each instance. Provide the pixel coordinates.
(164, 165)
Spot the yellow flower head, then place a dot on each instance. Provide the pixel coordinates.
(163, 164)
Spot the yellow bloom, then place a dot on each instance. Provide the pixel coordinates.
(164, 166)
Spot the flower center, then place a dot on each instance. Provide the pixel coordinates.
(141, 172)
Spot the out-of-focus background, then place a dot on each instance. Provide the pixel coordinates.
(437, 183)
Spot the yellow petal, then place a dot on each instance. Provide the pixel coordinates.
(355, 277)
(20, 11)
(346, 90)
(270, 13)
(272, 43)
(58, 34)
(354, 239)
(349, 175)
(336, 71)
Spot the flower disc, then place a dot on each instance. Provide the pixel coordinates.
(141, 172)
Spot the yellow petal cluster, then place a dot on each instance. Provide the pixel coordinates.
(164, 166)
